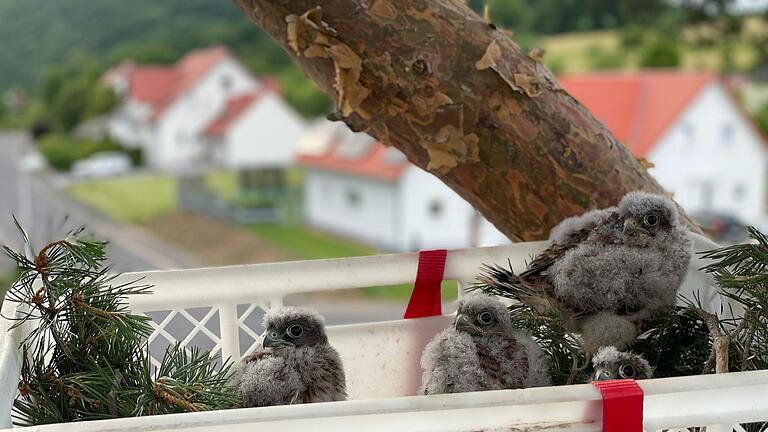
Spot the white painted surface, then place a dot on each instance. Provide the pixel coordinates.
(713, 159)
(264, 135)
(381, 359)
(415, 212)
(178, 139)
(433, 215)
(130, 125)
(365, 209)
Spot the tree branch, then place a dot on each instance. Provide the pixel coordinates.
(462, 101)
(720, 342)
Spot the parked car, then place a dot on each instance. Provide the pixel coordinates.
(102, 164)
(723, 228)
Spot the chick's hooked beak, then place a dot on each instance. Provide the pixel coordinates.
(601, 375)
(272, 339)
(463, 323)
(631, 224)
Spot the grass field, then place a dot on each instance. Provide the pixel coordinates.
(142, 198)
(574, 52)
(310, 244)
(130, 199)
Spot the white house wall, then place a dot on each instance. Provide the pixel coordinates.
(130, 125)
(434, 216)
(178, 129)
(371, 218)
(265, 135)
(709, 168)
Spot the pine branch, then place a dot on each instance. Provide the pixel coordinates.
(741, 272)
(86, 356)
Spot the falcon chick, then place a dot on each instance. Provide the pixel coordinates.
(607, 271)
(610, 364)
(482, 351)
(295, 365)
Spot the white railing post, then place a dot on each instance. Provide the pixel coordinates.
(230, 337)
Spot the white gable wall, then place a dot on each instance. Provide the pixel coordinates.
(265, 135)
(355, 207)
(178, 129)
(712, 158)
(415, 213)
(434, 216)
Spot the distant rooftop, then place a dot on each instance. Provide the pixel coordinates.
(637, 107)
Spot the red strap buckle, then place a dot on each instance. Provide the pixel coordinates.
(622, 405)
(425, 298)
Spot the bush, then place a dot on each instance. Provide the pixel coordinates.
(632, 36)
(62, 151)
(604, 59)
(661, 53)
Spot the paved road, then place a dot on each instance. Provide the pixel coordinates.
(50, 213)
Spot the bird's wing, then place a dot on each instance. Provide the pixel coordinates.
(534, 285)
(257, 355)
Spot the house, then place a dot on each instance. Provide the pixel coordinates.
(356, 187)
(705, 148)
(257, 129)
(170, 111)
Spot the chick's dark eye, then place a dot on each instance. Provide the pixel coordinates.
(627, 371)
(651, 220)
(485, 318)
(295, 331)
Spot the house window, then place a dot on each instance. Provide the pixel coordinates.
(688, 135)
(226, 82)
(726, 135)
(435, 209)
(353, 198)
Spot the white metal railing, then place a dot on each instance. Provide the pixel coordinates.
(219, 309)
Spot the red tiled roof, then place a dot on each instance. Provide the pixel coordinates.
(236, 105)
(373, 163)
(160, 86)
(637, 107)
(152, 84)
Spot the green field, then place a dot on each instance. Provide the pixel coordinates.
(309, 244)
(129, 200)
(575, 52)
(143, 198)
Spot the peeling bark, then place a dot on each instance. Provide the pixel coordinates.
(462, 101)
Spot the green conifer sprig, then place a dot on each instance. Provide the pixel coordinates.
(741, 272)
(86, 356)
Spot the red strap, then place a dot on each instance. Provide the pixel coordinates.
(622, 405)
(425, 298)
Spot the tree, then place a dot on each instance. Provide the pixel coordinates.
(462, 101)
(661, 52)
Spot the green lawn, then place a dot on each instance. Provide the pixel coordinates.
(310, 244)
(131, 199)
